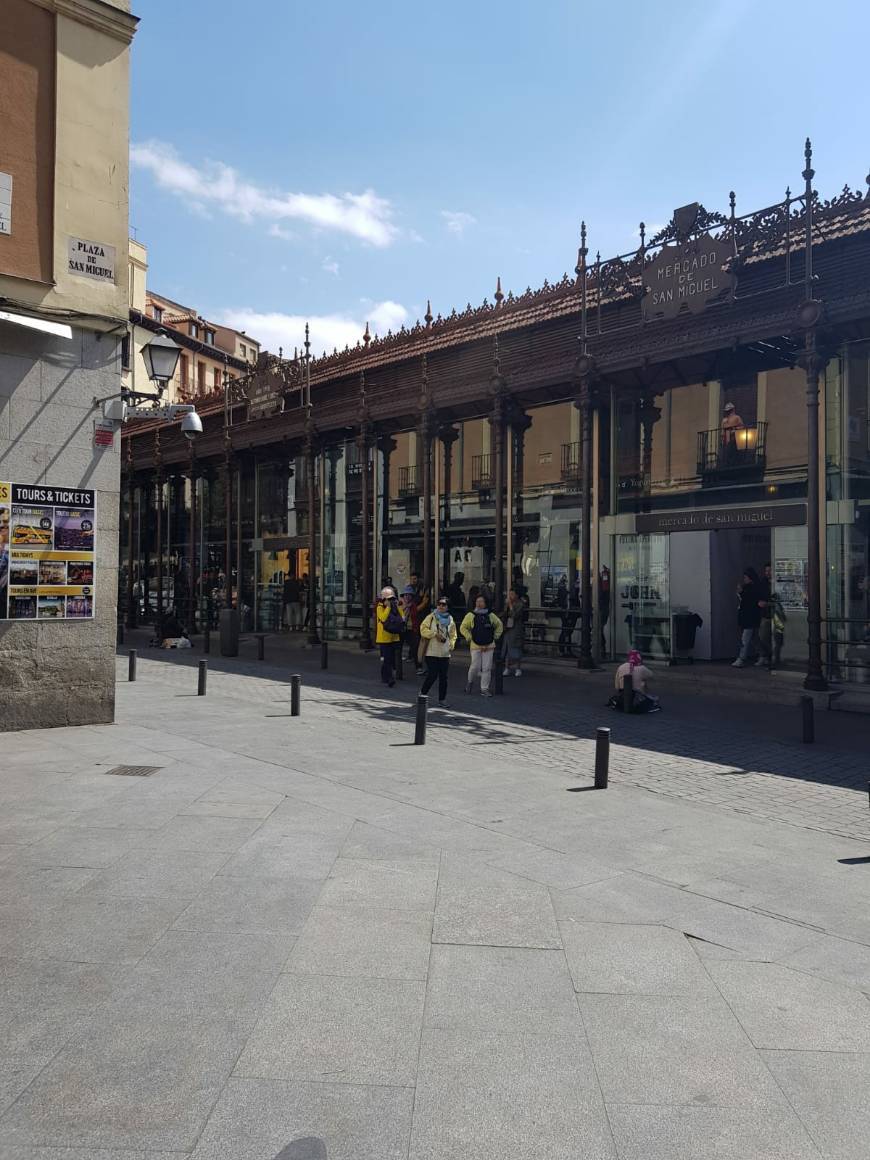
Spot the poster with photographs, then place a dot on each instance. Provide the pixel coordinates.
(46, 552)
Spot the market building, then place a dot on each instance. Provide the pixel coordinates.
(64, 103)
(621, 443)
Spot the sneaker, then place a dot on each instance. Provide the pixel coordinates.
(443, 704)
(468, 687)
(518, 672)
(390, 684)
(486, 694)
(421, 672)
(738, 664)
(761, 663)
(506, 673)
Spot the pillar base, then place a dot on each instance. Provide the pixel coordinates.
(815, 683)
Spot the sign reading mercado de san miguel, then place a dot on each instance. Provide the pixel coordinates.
(689, 275)
(46, 552)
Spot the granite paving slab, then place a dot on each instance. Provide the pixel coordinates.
(278, 904)
(384, 885)
(478, 904)
(363, 943)
(828, 1090)
(608, 958)
(710, 1133)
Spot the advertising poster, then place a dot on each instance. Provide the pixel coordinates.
(46, 552)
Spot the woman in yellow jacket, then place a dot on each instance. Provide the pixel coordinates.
(481, 628)
(389, 633)
(438, 630)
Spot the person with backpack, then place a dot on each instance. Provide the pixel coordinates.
(438, 632)
(389, 634)
(481, 628)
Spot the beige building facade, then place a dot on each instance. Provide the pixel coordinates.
(64, 111)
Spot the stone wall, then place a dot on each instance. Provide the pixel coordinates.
(61, 673)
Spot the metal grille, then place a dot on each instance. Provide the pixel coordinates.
(134, 770)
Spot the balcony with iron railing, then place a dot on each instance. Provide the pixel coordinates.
(481, 472)
(570, 462)
(732, 451)
(409, 481)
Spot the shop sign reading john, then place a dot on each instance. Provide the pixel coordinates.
(46, 552)
(687, 276)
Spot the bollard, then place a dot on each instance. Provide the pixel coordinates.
(295, 682)
(399, 663)
(602, 757)
(627, 694)
(203, 677)
(206, 638)
(808, 722)
(120, 632)
(261, 648)
(131, 672)
(324, 655)
(420, 723)
(499, 676)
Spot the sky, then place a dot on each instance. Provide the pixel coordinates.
(345, 163)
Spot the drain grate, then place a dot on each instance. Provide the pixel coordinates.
(134, 770)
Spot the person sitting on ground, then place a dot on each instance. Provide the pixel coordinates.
(643, 701)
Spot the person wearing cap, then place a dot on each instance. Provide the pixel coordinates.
(730, 423)
(411, 612)
(730, 419)
(389, 633)
(438, 631)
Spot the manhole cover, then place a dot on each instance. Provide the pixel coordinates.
(134, 770)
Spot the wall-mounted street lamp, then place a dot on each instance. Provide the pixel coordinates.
(161, 356)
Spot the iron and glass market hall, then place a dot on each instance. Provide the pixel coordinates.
(619, 445)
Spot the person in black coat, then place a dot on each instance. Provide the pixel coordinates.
(749, 593)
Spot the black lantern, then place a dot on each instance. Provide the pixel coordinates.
(161, 358)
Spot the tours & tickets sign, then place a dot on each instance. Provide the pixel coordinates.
(46, 552)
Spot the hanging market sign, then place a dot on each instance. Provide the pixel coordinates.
(686, 278)
(46, 552)
(712, 519)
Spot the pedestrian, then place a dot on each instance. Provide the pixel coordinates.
(411, 639)
(778, 620)
(481, 628)
(305, 599)
(748, 615)
(568, 601)
(765, 627)
(390, 631)
(514, 620)
(643, 701)
(438, 632)
(731, 422)
(291, 615)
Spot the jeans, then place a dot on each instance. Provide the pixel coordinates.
(481, 662)
(388, 661)
(413, 639)
(293, 615)
(747, 636)
(436, 670)
(764, 635)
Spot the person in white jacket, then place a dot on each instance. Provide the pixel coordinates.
(438, 631)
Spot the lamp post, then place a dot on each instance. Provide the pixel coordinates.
(161, 356)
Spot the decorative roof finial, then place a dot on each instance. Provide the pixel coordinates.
(367, 336)
(582, 252)
(808, 173)
(427, 317)
(307, 343)
(642, 231)
(499, 297)
(280, 352)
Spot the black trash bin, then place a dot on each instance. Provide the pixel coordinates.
(684, 628)
(229, 622)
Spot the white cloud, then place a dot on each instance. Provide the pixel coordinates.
(330, 265)
(274, 329)
(276, 231)
(457, 221)
(362, 215)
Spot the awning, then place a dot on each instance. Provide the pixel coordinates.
(33, 322)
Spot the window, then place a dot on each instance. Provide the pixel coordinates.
(125, 352)
(244, 350)
(194, 330)
(209, 337)
(217, 378)
(157, 313)
(200, 377)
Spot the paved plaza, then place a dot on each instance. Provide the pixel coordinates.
(309, 938)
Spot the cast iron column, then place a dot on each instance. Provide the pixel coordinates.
(158, 489)
(498, 427)
(310, 464)
(813, 363)
(228, 495)
(448, 436)
(386, 445)
(520, 424)
(363, 441)
(585, 404)
(131, 548)
(193, 542)
(649, 416)
(427, 434)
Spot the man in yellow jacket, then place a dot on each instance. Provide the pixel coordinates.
(481, 628)
(389, 633)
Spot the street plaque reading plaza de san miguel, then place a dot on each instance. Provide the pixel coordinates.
(688, 275)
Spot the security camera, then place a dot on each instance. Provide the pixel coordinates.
(191, 425)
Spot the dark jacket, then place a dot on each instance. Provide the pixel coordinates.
(748, 612)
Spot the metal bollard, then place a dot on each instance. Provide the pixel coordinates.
(261, 648)
(499, 675)
(420, 723)
(627, 694)
(206, 638)
(400, 663)
(808, 721)
(295, 682)
(203, 677)
(131, 671)
(602, 757)
(324, 655)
